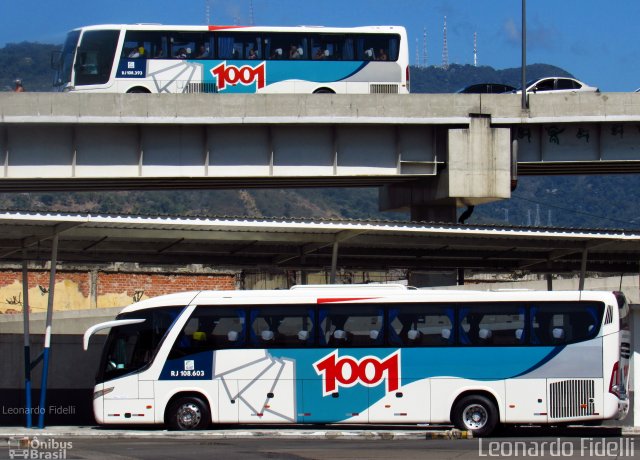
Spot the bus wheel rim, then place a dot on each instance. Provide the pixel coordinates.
(475, 416)
(189, 415)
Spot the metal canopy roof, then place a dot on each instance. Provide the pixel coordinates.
(307, 244)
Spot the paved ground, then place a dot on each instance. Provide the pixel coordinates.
(325, 443)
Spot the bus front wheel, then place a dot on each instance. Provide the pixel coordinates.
(477, 414)
(188, 413)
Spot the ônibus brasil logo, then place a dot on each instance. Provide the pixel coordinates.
(245, 75)
(348, 371)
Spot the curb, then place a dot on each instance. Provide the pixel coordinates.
(88, 432)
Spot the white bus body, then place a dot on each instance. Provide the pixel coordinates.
(214, 59)
(364, 354)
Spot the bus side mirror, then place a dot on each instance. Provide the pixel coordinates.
(56, 58)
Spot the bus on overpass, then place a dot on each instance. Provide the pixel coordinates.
(230, 59)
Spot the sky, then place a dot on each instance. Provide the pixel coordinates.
(595, 40)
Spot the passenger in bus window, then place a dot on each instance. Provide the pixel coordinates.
(294, 52)
(137, 52)
(320, 54)
(181, 54)
(277, 54)
(203, 52)
(382, 55)
(253, 54)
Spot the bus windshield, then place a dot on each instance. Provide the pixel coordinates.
(65, 63)
(95, 57)
(131, 347)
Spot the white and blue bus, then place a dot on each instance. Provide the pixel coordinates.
(366, 354)
(146, 58)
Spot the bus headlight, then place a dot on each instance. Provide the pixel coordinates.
(99, 393)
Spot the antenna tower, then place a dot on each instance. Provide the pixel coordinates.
(424, 47)
(251, 13)
(445, 49)
(475, 49)
(207, 12)
(417, 54)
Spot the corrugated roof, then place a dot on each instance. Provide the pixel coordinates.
(307, 243)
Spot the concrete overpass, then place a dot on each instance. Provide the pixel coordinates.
(428, 151)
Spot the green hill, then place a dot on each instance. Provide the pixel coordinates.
(455, 77)
(31, 62)
(573, 201)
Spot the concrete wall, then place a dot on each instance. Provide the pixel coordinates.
(70, 383)
(629, 284)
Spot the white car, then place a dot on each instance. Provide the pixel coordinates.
(558, 85)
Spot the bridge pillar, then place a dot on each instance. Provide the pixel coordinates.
(477, 171)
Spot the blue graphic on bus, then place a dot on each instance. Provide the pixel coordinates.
(132, 68)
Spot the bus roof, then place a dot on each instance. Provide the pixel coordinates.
(202, 28)
(353, 294)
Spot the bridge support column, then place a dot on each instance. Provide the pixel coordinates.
(478, 170)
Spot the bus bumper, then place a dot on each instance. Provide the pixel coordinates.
(623, 408)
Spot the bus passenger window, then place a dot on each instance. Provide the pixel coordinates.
(347, 326)
(377, 47)
(492, 324)
(282, 327)
(145, 44)
(415, 325)
(210, 328)
(560, 323)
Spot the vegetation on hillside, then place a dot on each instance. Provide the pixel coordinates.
(30, 62)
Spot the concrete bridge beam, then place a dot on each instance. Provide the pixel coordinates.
(478, 170)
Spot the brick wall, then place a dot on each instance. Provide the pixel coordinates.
(76, 290)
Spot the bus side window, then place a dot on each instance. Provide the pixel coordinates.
(559, 323)
(421, 325)
(492, 324)
(282, 327)
(140, 44)
(209, 329)
(347, 326)
(377, 47)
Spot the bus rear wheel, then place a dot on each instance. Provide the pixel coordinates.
(138, 90)
(188, 413)
(477, 414)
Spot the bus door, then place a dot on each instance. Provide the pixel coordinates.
(338, 386)
(327, 399)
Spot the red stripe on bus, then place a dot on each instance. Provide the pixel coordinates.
(344, 299)
(226, 27)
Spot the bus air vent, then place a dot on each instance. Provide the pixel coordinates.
(571, 398)
(200, 88)
(625, 350)
(608, 319)
(383, 89)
